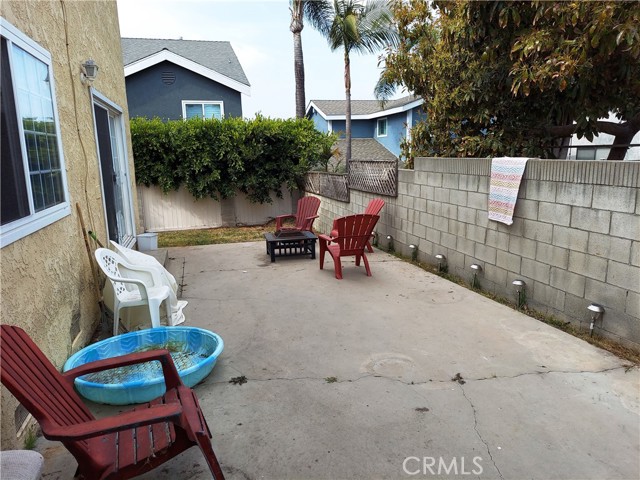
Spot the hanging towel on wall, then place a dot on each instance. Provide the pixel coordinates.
(506, 174)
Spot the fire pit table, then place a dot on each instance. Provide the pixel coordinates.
(290, 243)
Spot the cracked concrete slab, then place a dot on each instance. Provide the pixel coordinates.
(529, 401)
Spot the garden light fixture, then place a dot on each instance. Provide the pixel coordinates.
(520, 293)
(597, 311)
(475, 283)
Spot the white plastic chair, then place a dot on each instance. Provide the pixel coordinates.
(131, 292)
(142, 259)
(163, 277)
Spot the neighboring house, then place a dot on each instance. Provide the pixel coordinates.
(62, 135)
(386, 125)
(181, 79)
(598, 148)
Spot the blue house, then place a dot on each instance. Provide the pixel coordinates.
(181, 79)
(372, 126)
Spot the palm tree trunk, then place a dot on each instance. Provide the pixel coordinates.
(298, 65)
(347, 91)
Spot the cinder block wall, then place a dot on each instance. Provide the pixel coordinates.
(575, 237)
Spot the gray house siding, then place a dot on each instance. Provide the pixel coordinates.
(149, 96)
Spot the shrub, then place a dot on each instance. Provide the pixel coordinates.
(217, 158)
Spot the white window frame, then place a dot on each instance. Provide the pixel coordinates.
(203, 103)
(35, 221)
(386, 126)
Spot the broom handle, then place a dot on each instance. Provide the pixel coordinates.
(86, 244)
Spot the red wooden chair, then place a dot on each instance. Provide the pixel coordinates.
(304, 217)
(353, 233)
(117, 447)
(373, 208)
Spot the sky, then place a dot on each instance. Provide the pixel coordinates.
(259, 34)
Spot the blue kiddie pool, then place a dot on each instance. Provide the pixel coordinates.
(194, 352)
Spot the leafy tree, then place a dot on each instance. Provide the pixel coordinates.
(517, 77)
(316, 12)
(363, 27)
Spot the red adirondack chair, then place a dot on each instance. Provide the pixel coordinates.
(373, 208)
(353, 233)
(304, 217)
(117, 447)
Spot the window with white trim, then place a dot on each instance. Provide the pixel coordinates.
(33, 190)
(382, 127)
(202, 109)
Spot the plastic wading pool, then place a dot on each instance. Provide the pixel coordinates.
(194, 352)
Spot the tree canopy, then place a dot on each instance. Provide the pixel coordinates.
(357, 26)
(517, 77)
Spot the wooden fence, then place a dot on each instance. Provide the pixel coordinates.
(178, 210)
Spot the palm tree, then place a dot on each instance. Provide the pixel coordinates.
(317, 13)
(363, 27)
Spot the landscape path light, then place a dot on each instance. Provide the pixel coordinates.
(390, 246)
(475, 283)
(597, 311)
(520, 293)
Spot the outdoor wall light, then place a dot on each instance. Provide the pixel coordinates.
(441, 261)
(414, 252)
(89, 71)
(475, 283)
(520, 293)
(390, 243)
(597, 311)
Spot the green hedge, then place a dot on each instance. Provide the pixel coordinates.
(216, 158)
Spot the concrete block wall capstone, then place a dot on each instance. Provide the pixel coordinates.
(575, 237)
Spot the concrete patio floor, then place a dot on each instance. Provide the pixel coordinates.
(530, 401)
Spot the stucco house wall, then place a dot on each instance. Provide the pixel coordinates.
(45, 278)
(148, 96)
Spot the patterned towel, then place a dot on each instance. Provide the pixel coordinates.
(506, 174)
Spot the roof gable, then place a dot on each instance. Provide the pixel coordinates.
(363, 109)
(214, 60)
